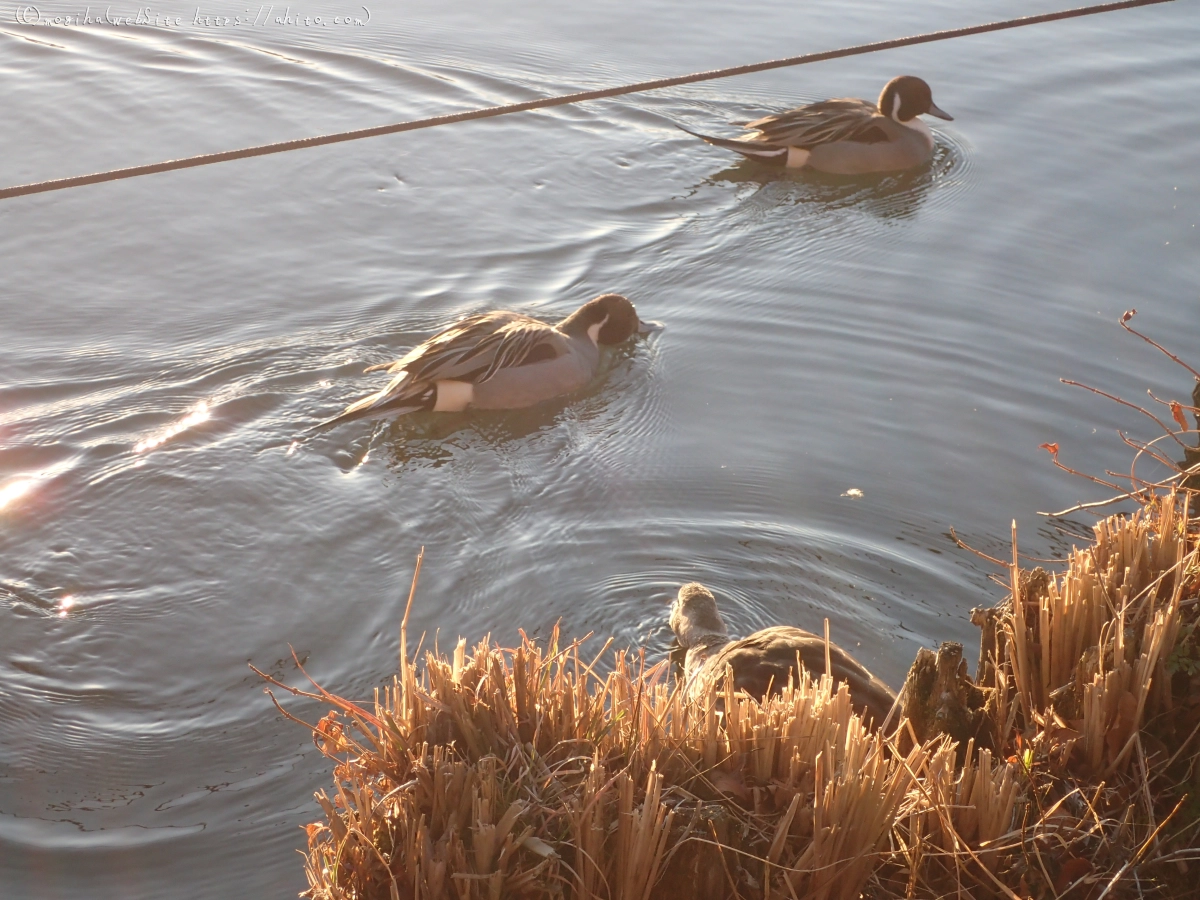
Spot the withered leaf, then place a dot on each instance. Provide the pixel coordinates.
(1072, 870)
(1177, 414)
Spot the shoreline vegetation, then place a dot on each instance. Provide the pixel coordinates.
(1067, 767)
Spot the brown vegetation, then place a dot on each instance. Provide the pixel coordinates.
(524, 773)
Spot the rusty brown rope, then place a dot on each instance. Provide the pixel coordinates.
(59, 184)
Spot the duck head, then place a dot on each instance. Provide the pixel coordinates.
(906, 97)
(694, 615)
(608, 319)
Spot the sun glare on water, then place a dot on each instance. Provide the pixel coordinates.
(195, 417)
(15, 490)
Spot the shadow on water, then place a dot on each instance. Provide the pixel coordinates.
(888, 195)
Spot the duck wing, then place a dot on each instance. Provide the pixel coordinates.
(822, 123)
(764, 661)
(473, 350)
(477, 347)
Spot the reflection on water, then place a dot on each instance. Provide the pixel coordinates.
(431, 439)
(890, 195)
(15, 490)
(195, 417)
(20, 490)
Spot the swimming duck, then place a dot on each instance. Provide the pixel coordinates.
(847, 137)
(501, 360)
(767, 657)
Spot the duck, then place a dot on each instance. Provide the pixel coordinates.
(764, 661)
(500, 360)
(846, 136)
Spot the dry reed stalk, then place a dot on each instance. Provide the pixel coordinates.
(1086, 652)
(528, 773)
(974, 804)
(524, 773)
(1104, 629)
(856, 805)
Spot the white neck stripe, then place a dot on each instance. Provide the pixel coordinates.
(594, 330)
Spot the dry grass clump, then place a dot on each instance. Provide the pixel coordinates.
(527, 773)
(524, 773)
(1094, 690)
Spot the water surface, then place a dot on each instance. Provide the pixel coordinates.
(166, 338)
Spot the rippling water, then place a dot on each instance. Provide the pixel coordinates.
(165, 339)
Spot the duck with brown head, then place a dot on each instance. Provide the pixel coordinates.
(767, 659)
(608, 319)
(501, 360)
(846, 136)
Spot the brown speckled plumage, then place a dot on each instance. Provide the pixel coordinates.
(765, 660)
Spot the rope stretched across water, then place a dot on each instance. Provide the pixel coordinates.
(206, 159)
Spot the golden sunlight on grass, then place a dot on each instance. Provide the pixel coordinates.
(528, 772)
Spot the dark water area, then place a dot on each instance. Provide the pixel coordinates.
(164, 340)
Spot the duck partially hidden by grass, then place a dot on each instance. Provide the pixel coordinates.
(500, 360)
(847, 136)
(765, 660)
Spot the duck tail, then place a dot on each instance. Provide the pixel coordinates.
(379, 367)
(384, 402)
(759, 150)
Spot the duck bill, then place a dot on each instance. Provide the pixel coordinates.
(647, 327)
(940, 113)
